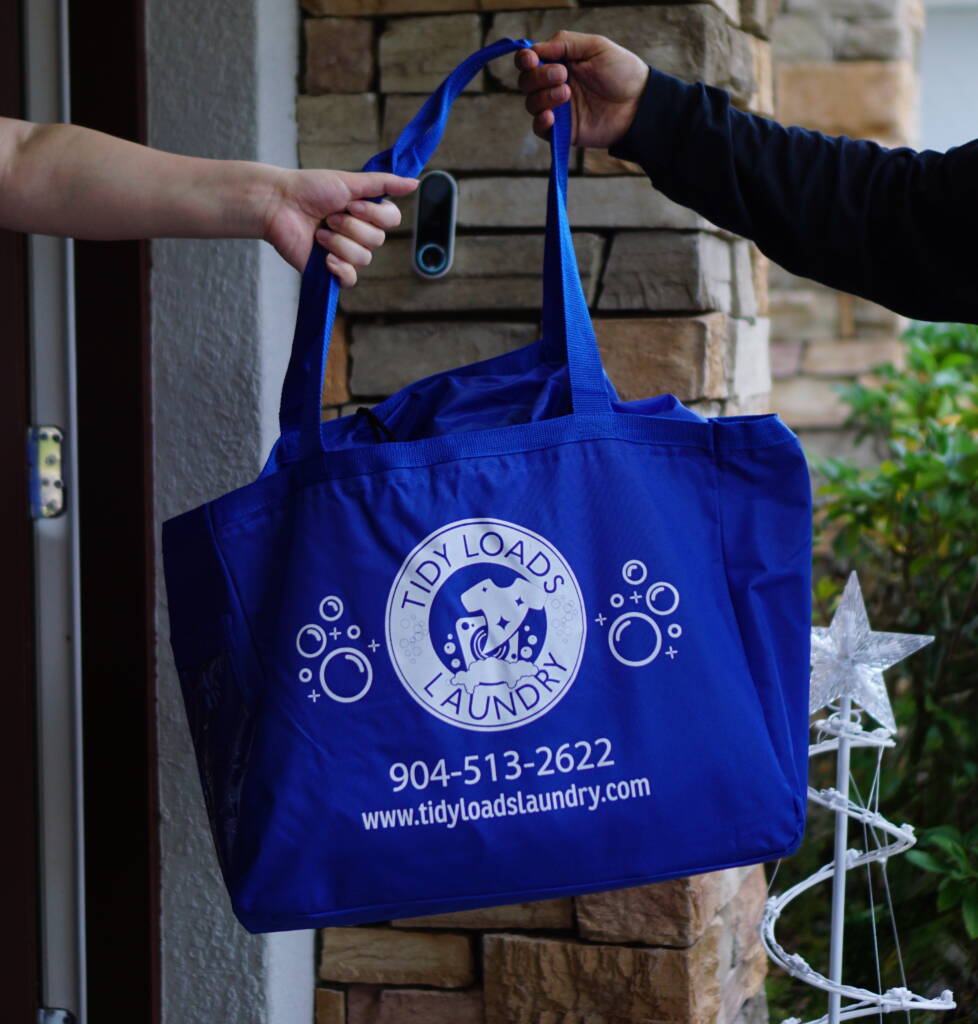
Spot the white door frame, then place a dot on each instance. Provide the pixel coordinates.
(57, 605)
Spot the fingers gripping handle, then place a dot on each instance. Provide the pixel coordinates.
(567, 326)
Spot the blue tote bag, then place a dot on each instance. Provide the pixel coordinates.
(508, 638)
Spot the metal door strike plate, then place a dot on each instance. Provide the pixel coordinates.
(44, 467)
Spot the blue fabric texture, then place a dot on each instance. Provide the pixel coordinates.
(506, 638)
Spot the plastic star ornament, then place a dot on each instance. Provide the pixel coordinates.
(848, 658)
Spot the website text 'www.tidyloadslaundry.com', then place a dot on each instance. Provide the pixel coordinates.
(449, 813)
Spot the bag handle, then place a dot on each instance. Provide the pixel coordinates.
(567, 330)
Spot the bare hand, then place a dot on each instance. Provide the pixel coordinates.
(355, 226)
(604, 81)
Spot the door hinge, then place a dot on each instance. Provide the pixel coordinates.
(46, 1016)
(45, 473)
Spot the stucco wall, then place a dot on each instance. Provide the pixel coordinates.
(221, 83)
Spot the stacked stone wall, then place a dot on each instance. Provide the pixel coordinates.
(842, 67)
(678, 305)
(685, 951)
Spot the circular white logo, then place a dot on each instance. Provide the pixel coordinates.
(486, 625)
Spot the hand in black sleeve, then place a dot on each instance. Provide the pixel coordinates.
(892, 225)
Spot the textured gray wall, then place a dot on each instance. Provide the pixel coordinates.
(221, 83)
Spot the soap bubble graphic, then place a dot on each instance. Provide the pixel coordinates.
(634, 639)
(634, 572)
(662, 598)
(305, 675)
(675, 631)
(331, 608)
(345, 667)
(310, 641)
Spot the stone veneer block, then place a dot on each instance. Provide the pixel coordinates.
(600, 161)
(339, 55)
(752, 405)
(729, 8)
(786, 359)
(684, 356)
(338, 130)
(869, 319)
(803, 36)
(667, 270)
(373, 7)
(761, 100)
(863, 99)
(351, 410)
(838, 444)
(387, 357)
(744, 298)
(707, 408)
(784, 280)
(760, 272)
(390, 956)
(754, 1011)
(523, 5)
(550, 914)
(372, 1005)
(758, 16)
(742, 913)
(837, 358)
(672, 913)
(488, 272)
(531, 980)
(417, 53)
(857, 8)
(491, 132)
(330, 1006)
(592, 202)
(809, 402)
(750, 357)
(336, 389)
(693, 42)
(369, 7)
(804, 314)
(742, 982)
(746, 967)
(889, 38)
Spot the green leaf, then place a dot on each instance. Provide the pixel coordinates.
(953, 848)
(927, 861)
(969, 911)
(949, 894)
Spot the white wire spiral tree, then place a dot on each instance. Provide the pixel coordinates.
(848, 659)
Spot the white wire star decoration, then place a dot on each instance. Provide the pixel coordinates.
(848, 658)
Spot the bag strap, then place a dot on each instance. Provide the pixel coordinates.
(567, 330)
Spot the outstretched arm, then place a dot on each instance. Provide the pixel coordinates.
(893, 226)
(72, 181)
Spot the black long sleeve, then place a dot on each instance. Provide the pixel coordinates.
(892, 225)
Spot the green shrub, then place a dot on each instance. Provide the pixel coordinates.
(909, 527)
